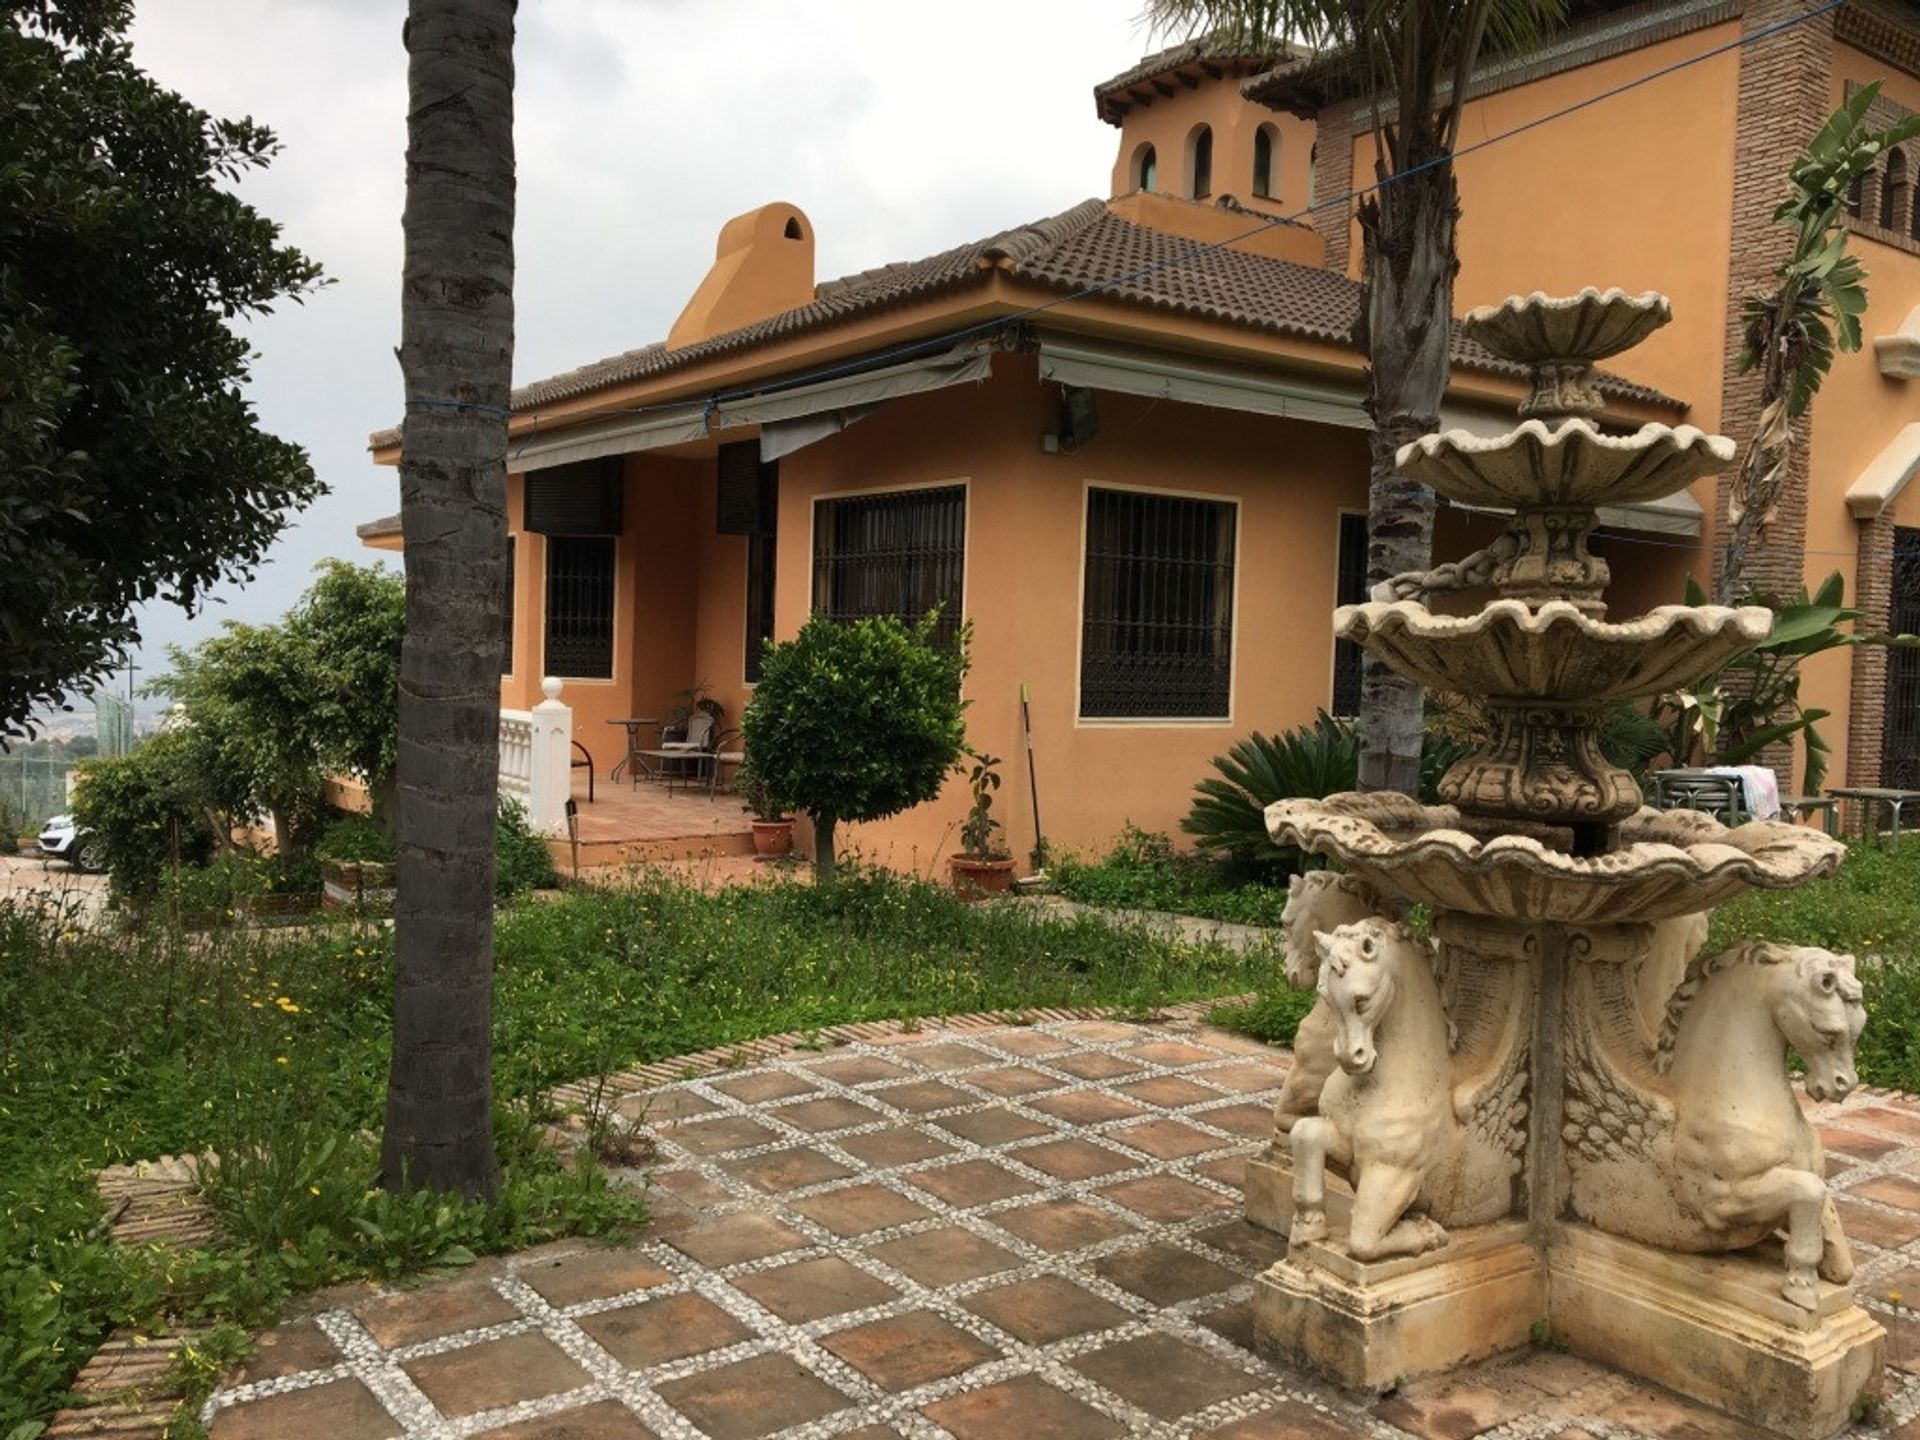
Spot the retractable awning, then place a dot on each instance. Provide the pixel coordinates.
(790, 418)
(1076, 362)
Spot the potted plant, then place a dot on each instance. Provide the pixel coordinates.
(357, 865)
(772, 826)
(984, 866)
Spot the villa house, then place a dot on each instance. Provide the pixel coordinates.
(1147, 496)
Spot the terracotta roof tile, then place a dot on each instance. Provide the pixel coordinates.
(1085, 246)
(1111, 99)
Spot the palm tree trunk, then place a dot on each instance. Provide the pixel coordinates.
(1406, 311)
(456, 358)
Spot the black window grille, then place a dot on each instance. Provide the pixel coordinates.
(1900, 742)
(1350, 588)
(1203, 163)
(1263, 148)
(580, 571)
(1157, 628)
(901, 553)
(506, 622)
(761, 551)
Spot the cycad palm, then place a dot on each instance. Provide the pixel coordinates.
(1414, 56)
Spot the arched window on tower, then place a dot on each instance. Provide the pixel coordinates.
(1146, 169)
(1200, 162)
(1895, 212)
(1266, 149)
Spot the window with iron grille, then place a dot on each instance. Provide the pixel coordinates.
(506, 654)
(900, 553)
(1157, 628)
(1900, 739)
(580, 572)
(1349, 588)
(761, 550)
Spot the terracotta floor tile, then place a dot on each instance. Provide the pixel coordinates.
(830, 1112)
(690, 1187)
(860, 1209)
(1166, 1139)
(604, 1420)
(1103, 1032)
(1890, 1190)
(1671, 1418)
(1893, 1119)
(594, 1275)
(1045, 1309)
(289, 1350)
(1060, 1225)
(1085, 1107)
(1167, 1198)
(1168, 1092)
(1074, 1158)
(338, 1410)
(654, 1332)
(736, 1239)
(717, 1137)
(1030, 1043)
(1855, 1143)
(1023, 1409)
(944, 1257)
(896, 1145)
(971, 1182)
(1165, 1274)
(1289, 1420)
(752, 1398)
(1903, 1342)
(856, 1069)
(494, 1373)
(947, 1055)
(1254, 1122)
(1172, 1053)
(920, 1096)
(814, 1289)
(1011, 1080)
(1234, 1324)
(1876, 1227)
(1245, 1079)
(657, 1107)
(992, 1127)
(912, 1349)
(1094, 1065)
(1165, 1377)
(1259, 1248)
(446, 1308)
(1229, 1170)
(797, 1168)
(1455, 1408)
(768, 1085)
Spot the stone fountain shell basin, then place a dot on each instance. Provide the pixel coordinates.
(1578, 328)
(1553, 654)
(1668, 862)
(1569, 463)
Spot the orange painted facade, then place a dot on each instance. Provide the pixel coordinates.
(1584, 199)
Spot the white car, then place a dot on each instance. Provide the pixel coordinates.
(62, 838)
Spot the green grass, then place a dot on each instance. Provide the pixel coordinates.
(272, 1048)
(1144, 872)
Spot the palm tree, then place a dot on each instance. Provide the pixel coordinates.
(456, 360)
(1410, 61)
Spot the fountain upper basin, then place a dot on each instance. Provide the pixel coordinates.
(1553, 654)
(1668, 862)
(1568, 463)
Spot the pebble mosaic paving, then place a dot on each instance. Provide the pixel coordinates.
(1014, 1233)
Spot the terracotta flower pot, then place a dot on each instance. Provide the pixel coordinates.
(772, 838)
(974, 878)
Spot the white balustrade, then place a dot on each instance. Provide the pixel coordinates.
(536, 758)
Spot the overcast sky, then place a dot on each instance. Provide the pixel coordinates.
(642, 126)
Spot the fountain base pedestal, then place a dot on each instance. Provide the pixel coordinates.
(1369, 1325)
(1716, 1329)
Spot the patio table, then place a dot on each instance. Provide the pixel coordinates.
(1870, 795)
(634, 760)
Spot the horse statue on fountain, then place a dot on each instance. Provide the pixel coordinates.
(1699, 1144)
(1425, 1148)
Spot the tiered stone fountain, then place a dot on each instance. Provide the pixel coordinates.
(1556, 1112)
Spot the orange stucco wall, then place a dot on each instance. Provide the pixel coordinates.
(1168, 125)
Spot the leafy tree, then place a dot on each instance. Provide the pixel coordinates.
(456, 362)
(857, 721)
(1793, 330)
(350, 623)
(1412, 60)
(148, 811)
(131, 464)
